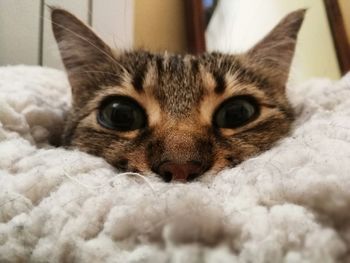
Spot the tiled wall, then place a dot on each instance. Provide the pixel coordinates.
(25, 27)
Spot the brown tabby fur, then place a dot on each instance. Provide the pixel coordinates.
(179, 94)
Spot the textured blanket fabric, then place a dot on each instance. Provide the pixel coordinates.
(289, 204)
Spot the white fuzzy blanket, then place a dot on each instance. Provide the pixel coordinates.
(290, 204)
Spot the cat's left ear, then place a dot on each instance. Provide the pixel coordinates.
(274, 53)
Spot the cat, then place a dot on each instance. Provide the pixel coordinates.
(176, 115)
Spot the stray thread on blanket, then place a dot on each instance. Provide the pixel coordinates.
(110, 182)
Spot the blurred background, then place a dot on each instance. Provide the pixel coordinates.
(182, 26)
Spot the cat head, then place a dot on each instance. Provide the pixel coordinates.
(176, 115)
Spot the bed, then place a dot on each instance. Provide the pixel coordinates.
(289, 204)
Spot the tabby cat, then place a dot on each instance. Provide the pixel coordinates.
(176, 115)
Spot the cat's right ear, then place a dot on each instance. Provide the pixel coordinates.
(78, 44)
(82, 51)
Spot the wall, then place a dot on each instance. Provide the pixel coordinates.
(239, 24)
(112, 20)
(27, 38)
(345, 8)
(19, 32)
(160, 25)
(50, 54)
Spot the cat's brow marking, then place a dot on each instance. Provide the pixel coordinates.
(139, 69)
(138, 78)
(220, 83)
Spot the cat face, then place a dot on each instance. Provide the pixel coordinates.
(176, 115)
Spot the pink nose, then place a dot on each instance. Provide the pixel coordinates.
(179, 172)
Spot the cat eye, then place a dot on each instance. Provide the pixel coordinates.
(122, 114)
(235, 112)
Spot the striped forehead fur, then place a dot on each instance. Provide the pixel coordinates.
(178, 79)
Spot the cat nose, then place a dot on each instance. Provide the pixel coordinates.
(184, 172)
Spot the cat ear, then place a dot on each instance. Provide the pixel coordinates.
(89, 62)
(274, 53)
(79, 46)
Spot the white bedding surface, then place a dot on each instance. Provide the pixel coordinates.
(289, 204)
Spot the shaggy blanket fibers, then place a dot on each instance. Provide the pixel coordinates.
(290, 204)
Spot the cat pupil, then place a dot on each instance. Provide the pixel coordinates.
(122, 115)
(234, 113)
(238, 113)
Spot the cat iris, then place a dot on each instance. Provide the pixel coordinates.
(122, 114)
(235, 112)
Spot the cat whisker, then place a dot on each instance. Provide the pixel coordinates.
(89, 188)
(110, 182)
(139, 175)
